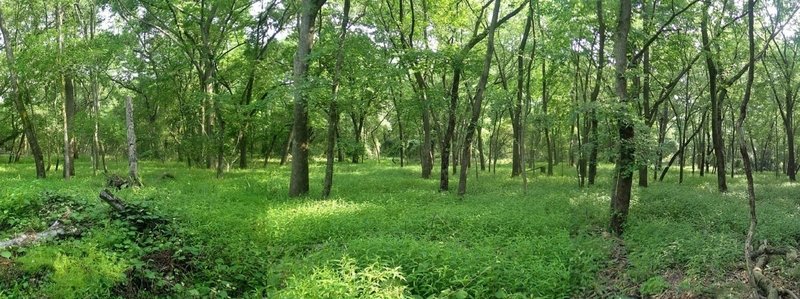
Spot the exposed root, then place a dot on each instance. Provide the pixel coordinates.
(765, 286)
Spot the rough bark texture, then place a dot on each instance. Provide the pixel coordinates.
(298, 183)
(133, 161)
(623, 177)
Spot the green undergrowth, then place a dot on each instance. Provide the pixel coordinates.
(385, 233)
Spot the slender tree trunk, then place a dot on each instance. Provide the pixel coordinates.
(516, 116)
(133, 161)
(19, 103)
(477, 102)
(717, 96)
(298, 183)
(623, 178)
(444, 180)
(481, 157)
(547, 137)
(333, 112)
(593, 124)
(751, 195)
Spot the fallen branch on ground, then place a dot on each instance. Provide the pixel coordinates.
(24, 239)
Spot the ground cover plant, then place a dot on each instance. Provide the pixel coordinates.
(386, 235)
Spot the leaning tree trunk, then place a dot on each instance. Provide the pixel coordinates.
(19, 104)
(623, 177)
(133, 162)
(298, 183)
(476, 103)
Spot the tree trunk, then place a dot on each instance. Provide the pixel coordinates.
(751, 195)
(444, 180)
(133, 161)
(19, 103)
(717, 96)
(298, 183)
(623, 178)
(547, 137)
(593, 124)
(333, 112)
(516, 116)
(476, 103)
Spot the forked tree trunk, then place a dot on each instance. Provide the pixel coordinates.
(476, 103)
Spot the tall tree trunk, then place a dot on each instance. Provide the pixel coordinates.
(717, 95)
(593, 124)
(547, 137)
(19, 102)
(133, 161)
(68, 98)
(748, 169)
(516, 116)
(477, 102)
(333, 112)
(646, 101)
(444, 180)
(623, 177)
(298, 183)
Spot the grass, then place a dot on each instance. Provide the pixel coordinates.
(386, 233)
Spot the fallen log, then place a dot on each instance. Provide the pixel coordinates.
(55, 230)
(113, 201)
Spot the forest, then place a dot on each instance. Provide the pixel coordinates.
(399, 149)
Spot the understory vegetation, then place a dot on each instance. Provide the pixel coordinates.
(385, 234)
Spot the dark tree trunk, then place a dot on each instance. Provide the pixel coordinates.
(593, 124)
(476, 103)
(623, 178)
(298, 183)
(717, 96)
(516, 116)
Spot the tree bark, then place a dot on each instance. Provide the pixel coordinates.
(298, 183)
(623, 178)
(133, 161)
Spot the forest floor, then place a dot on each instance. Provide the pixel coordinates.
(386, 233)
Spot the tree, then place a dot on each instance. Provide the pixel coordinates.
(333, 112)
(623, 174)
(298, 184)
(477, 101)
(18, 95)
(133, 159)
